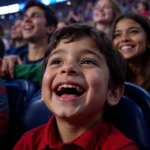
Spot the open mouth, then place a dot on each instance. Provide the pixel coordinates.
(28, 27)
(69, 89)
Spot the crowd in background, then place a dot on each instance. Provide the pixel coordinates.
(25, 39)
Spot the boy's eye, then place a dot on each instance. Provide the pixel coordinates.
(55, 62)
(87, 61)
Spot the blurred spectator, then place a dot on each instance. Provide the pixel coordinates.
(104, 13)
(73, 17)
(38, 25)
(6, 43)
(143, 8)
(20, 45)
(4, 110)
(16, 33)
(133, 8)
(62, 24)
(124, 7)
(88, 12)
(131, 36)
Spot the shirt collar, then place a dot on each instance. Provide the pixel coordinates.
(93, 135)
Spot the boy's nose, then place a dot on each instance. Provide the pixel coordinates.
(69, 69)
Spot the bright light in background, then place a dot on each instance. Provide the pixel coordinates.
(49, 2)
(69, 3)
(13, 8)
(46, 2)
(58, 1)
(20, 6)
(3, 10)
(9, 9)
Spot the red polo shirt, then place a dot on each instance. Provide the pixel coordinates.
(102, 136)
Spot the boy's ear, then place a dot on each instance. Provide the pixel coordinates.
(114, 95)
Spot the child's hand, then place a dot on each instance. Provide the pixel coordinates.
(8, 65)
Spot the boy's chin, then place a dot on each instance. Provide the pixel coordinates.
(68, 114)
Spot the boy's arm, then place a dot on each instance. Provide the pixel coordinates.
(32, 72)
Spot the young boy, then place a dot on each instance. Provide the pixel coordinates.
(82, 74)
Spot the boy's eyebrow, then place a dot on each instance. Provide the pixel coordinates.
(83, 51)
(93, 52)
(58, 51)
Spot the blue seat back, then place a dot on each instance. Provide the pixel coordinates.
(141, 97)
(36, 114)
(27, 86)
(19, 92)
(129, 119)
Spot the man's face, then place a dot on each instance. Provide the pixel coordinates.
(75, 81)
(34, 24)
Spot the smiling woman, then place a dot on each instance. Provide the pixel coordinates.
(131, 36)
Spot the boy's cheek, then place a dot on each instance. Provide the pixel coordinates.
(97, 79)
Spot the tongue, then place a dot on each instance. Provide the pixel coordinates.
(68, 97)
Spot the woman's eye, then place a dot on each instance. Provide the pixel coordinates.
(116, 35)
(133, 31)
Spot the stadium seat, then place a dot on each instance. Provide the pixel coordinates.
(36, 96)
(27, 86)
(141, 97)
(19, 92)
(129, 119)
(36, 114)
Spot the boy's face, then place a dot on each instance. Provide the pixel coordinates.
(34, 24)
(76, 80)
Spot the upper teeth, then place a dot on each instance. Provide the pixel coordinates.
(27, 27)
(125, 47)
(67, 86)
(78, 88)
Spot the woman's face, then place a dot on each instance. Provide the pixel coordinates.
(103, 12)
(129, 38)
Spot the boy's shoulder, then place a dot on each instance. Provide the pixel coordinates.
(36, 138)
(117, 140)
(31, 138)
